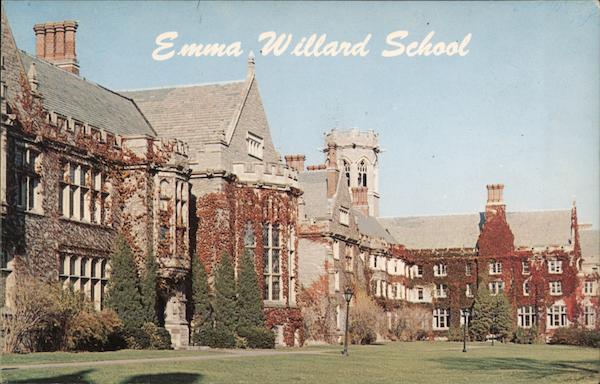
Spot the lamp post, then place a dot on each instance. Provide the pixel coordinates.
(466, 314)
(348, 293)
(493, 326)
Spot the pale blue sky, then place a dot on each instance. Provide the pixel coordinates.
(522, 108)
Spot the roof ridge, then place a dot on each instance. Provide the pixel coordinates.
(225, 82)
(54, 67)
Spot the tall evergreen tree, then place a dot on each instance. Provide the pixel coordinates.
(148, 288)
(123, 291)
(225, 301)
(482, 314)
(502, 317)
(200, 295)
(492, 315)
(250, 306)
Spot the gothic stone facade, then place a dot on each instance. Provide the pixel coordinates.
(184, 172)
(191, 171)
(433, 266)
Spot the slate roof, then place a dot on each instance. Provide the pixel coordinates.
(427, 232)
(540, 228)
(196, 114)
(13, 67)
(531, 229)
(75, 97)
(589, 241)
(370, 226)
(314, 185)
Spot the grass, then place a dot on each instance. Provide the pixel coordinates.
(64, 357)
(422, 362)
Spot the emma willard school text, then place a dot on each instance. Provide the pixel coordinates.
(398, 43)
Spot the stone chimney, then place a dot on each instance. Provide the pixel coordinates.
(495, 199)
(55, 43)
(360, 199)
(295, 162)
(333, 173)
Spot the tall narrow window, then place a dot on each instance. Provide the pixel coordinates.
(347, 170)
(344, 216)
(272, 262)
(27, 179)
(588, 288)
(362, 174)
(420, 294)
(292, 265)
(255, 145)
(83, 194)
(349, 258)
(469, 290)
(85, 274)
(589, 316)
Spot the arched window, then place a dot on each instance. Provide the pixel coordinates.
(347, 170)
(164, 194)
(362, 174)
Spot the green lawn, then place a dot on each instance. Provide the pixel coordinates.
(420, 362)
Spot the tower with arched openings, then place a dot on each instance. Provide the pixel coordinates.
(357, 155)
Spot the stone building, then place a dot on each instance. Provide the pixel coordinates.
(243, 197)
(532, 257)
(184, 172)
(339, 239)
(192, 171)
(432, 266)
(81, 164)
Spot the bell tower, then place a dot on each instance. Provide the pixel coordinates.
(357, 154)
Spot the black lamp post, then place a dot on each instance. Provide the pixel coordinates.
(348, 293)
(493, 327)
(466, 314)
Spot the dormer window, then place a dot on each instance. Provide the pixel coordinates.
(61, 123)
(78, 127)
(344, 216)
(255, 145)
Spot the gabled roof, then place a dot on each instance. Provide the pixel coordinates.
(429, 232)
(196, 114)
(72, 96)
(370, 226)
(13, 67)
(531, 229)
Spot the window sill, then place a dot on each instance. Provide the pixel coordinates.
(84, 222)
(36, 212)
(275, 303)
